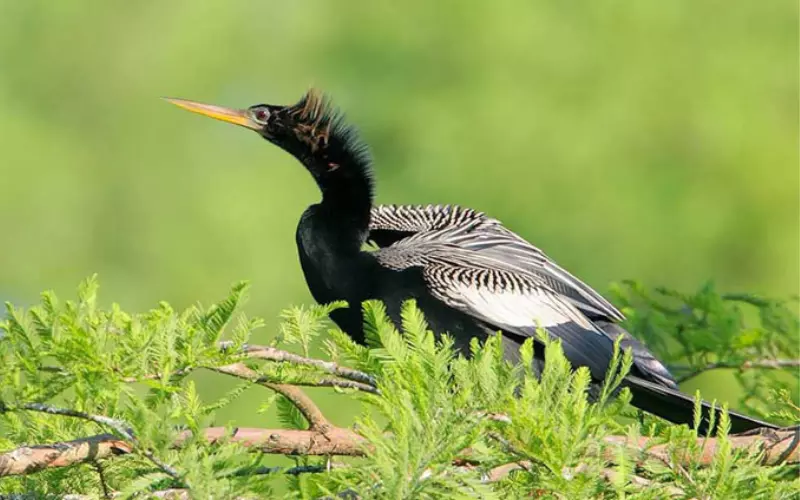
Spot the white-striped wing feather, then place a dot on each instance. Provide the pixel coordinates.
(475, 231)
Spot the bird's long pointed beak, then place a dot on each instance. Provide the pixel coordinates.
(230, 115)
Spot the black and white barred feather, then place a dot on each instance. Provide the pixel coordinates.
(473, 230)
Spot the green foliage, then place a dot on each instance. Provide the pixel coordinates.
(435, 406)
(443, 425)
(417, 427)
(695, 330)
(302, 325)
(129, 367)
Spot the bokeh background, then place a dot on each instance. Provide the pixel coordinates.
(648, 140)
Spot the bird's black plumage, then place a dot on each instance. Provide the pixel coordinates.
(469, 274)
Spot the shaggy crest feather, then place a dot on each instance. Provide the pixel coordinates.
(317, 116)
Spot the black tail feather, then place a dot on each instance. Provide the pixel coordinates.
(677, 407)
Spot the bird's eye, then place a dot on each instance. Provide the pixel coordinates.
(261, 115)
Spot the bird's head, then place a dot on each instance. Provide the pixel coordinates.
(312, 130)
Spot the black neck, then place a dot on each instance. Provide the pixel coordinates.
(343, 172)
(345, 208)
(348, 194)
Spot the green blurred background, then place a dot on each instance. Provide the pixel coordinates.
(647, 140)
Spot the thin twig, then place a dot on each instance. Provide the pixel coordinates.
(128, 380)
(290, 471)
(341, 384)
(790, 449)
(321, 382)
(118, 425)
(524, 461)
(353, 379)
(242, 371)
(103, 483)
(764, 364)
(167, 469)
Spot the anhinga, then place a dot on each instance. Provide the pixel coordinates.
(468, 274)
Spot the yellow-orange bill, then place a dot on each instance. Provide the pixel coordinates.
(230, 115)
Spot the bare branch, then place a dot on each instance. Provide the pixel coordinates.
(777, 446)
(273, 354)
(236, 370)
(118, 425)
(334, 441)
(30, 459)
(763, 364)
(346, 442)
(316, 420)
(309, 409)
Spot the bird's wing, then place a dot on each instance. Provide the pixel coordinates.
(473, 230)
(503, 280)
(647, 365)
(501, 295)
(421, 218)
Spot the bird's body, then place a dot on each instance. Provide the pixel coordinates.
(361, 275)
(469, 275)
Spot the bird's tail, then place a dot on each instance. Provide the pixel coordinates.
(677, 407)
